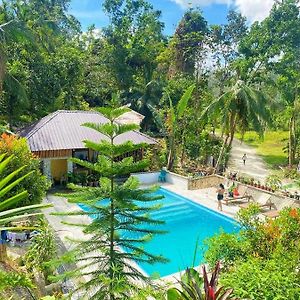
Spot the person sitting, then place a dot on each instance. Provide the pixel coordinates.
(235, 192)
(230, 190)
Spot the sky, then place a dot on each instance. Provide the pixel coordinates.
(90, 12)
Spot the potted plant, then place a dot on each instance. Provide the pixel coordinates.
(258, 184)
(274, 182)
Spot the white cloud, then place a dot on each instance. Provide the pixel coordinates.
(193, 3)
(254, 10)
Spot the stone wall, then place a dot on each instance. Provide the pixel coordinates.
(205, 182)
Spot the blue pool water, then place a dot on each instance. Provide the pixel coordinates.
(186, 223)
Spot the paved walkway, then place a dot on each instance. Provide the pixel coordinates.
(255, 166)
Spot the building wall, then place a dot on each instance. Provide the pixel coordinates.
(53, 153)
(59, 168)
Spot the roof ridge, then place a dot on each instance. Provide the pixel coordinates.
(47, 118)
(54, 114)
(132, 110)
(77, 111)
(145, 135)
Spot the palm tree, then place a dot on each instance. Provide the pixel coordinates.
(7, 213)
(244, 105)
(143, 98)
(12, 30)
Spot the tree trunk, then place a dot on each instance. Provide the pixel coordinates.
(171, 157)
(221, 154)
(183, 150)
(112, 232)
(291, 140)
(172, 151)
(3, 253)
(232, 128)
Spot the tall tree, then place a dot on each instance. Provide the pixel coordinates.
(121, 216)
(131, 45)
(274, 46)
(188, 41)
(242, 105)
(224, 41)
(33, 81)
(134, 40)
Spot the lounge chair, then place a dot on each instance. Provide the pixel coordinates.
(272, 214)
(243, 194)
(263, 201)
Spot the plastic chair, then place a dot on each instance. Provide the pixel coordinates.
(162, 176)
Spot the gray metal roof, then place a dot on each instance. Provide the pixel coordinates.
(62, 130)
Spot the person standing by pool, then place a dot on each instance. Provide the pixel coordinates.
(244, 158)
(220, 195)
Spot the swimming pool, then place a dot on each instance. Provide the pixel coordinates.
(186, 223)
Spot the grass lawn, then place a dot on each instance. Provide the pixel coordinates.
(270, 148)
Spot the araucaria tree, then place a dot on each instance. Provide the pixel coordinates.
(120, 216)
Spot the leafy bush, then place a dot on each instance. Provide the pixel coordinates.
(262, 279)
(13, 279)
(266, 265)
(274, 182)
(264, 238)
(291, 173)
(36, 184)
(204, 146)
(157, 155)
(224, 247)
(41, 250)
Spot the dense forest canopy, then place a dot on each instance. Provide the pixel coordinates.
(243, 74)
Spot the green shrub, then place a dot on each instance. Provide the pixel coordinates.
(13, 279)
(224, 247)
(262, 260)
(262, 279)
(36, 184)
(42, 249)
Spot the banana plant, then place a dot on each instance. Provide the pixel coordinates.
(7, 184)
(195, 287)
(7, 213)
(175, 114)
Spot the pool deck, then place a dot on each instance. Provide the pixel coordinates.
(67, 233)
(206, 197)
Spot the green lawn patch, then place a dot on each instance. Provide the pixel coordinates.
(270, 148)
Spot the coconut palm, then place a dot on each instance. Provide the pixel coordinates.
(7, 213)
(243, 106)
